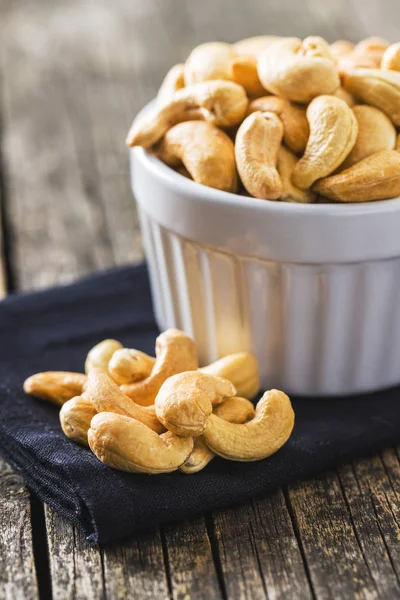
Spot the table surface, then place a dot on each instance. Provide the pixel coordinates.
(72, 75)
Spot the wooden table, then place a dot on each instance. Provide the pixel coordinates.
(72, 75)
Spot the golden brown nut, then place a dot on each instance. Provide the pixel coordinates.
(287, 162)
(206, 152)
(256, 148)
(128, 445)
(55, 386)
(295, 125)
(99, 356)
(297, 72)
(209, 61)
(398, 143)
(173, 81)
(391, 58)
(377, 177)
(75, 417)
(376, 132)
(175, 352)
(268, 431)
(376, 87)
(186, 400)
(333, 133)
(129, 366)
(241, 369)
(244, 71)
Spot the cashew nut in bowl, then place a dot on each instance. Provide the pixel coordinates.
(391, 58)
(286, 69)
(128, 445)
(333, 134)
(129, 366)
(287, 162)
(377, 177)
(244, 71)
(75, 418)
(376, 87)
(295, 125)
(241, 369)
(99, 356)
(341, 48)
(256, 148)
(254, 46)
(209, 61)
(175, 352)
(257, 439)
(55, 386)
(223, 103)
(173, 81)
(186, 400)
(345, 96)
(107, 397)
(207, 153)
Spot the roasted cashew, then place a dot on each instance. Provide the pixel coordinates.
(259, 438)
(341, 48)
(377, 177)
(333, 133)
(366, 54)
(254, 46)
(128, 445)
(129, 366)
(233, 410)
(391, 58)
(244, 72)
(241, 369)
(99, 356)
(256, 148)
(377, 87)
(175, 352)
(55, 386)
(207, 153)
(398, 143)
(107, 397)
(222, 103)
(376, 132)
(287, 162)
(173, 81)
(297, 70)
(294, 119)
(209, 61)
(186, 400)
(75, 417)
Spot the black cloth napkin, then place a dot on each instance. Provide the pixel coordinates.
(54, 329)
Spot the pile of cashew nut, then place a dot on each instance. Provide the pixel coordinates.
(156, 415)
(282, 119)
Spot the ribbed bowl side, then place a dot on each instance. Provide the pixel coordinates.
(315, 329)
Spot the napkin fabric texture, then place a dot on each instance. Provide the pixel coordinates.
(54, 329)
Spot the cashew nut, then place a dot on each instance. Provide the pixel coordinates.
(377, 177)
(55, 386)
(257, 439)
(241, 369)
(333, 133)
(186, 400)
(75, 417)
(376, 132)
(287, 162)
(107, 397)
(207, 153)
(129, 366)
(222, 103)
(294, 119)
(398, 143)
(254, 46)
(377, 87)
(298, 71)
(99, 356)
(209, 61)
(256, 148)
(175, 352)
(366, 54)
(341, 48)
(391, 58)
(173, 81)
(346, 96)
(128, 445)
(244, 71)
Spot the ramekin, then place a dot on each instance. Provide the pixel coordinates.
(312, 290)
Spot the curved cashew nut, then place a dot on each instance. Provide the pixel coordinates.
(175, 352)
(256, 148)
(341, 48)
(99, 356)
(206, 152)
(173, 81)
(209, 61)
(55, 386)
(241, 369)
(287, 162)
(129, 366)
(128, 445)
(254, 46)
(333, 133)
(75, 418)
(262, 436)
(298, 71)
(391, 58)
(366, 54)
(295, 125)
(107, 397)
(377, 87)
(186, 400)
(223, 103)
(377, 177)
(244, 72)
(345, 96)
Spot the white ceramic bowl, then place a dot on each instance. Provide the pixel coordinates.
(312, 290)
